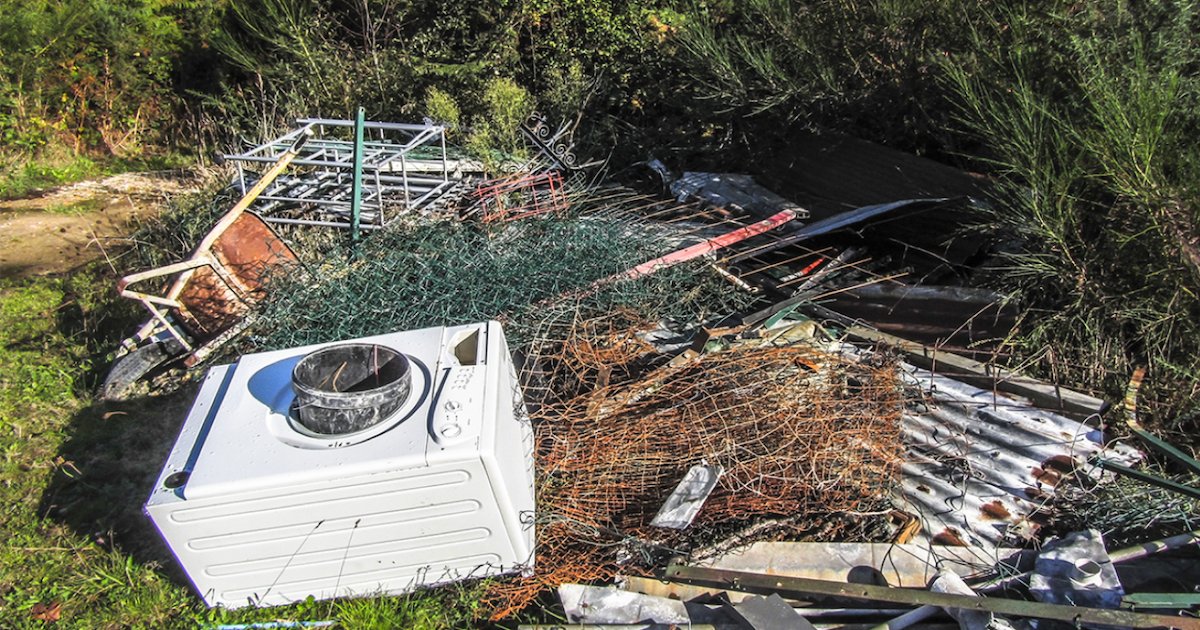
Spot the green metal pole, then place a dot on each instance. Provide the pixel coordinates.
(356, 190)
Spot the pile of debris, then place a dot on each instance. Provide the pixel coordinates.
(706, 374)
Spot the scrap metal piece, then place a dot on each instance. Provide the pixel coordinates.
(519, 196)
(947, 582)
(1165, 601)
(1156, 443)
(356, 182)
(964, 318)
(884, 564)
(692, 252)
(403, 167)
(558, 147)
(601, 605)
(708, 246)
(1076, 570)
(849, 218)
(981, 464)
(769, 613)
(733, 192)
(1127, 554)
(987, 376)
(802, 587)
(212, 290)
(685, 502)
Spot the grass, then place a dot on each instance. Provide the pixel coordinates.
(22, 176)
(24, 179)
(73, 543)
(77, 208)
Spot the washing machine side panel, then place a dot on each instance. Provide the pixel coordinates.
(507, 447)
(390, 532)
(177, 543)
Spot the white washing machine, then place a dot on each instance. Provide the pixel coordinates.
(261, 511)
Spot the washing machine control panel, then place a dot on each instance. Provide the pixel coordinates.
(456, 412)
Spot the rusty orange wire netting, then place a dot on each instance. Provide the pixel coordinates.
(798, 430)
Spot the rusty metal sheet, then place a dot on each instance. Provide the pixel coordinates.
(208, 305)
(248, 253)
(958, 319)
(251, 252)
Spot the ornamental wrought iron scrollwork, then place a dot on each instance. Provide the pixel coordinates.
(556, 145)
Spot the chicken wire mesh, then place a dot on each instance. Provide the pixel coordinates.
(448, 272)
(798, 430)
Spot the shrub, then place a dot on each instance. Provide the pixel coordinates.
(442, 108)
(1087, 118)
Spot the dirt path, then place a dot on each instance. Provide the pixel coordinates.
(72, 225)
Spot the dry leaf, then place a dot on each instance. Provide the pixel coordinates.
(46, 612)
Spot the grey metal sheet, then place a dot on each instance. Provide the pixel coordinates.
(906, 566)
(734, 192)
(685, 502)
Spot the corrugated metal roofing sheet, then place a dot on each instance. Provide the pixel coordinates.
(981, 465)
(829, 173)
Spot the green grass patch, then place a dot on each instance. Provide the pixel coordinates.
(77, 208)
(31, 177)
(24, 177)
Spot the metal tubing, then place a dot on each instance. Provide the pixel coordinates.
(386, 162)
(794, 587)
(1166, 448)
(445, 164)
(1145, 477)
(404, 176)
(710, 245)
(381, 220)
(356, 184)
(433, 191)
(369, 124)
(317, 223)
(421, 138)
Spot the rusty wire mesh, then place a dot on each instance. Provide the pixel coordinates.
(798, 430)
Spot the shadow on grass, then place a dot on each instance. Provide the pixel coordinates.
(110, 459)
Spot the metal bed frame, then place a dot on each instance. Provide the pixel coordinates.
(403, 168)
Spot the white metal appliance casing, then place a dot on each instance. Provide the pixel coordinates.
(258, 513)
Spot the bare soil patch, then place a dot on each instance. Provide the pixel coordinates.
(67, 227)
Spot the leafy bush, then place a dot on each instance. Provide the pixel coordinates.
(96, 74)
(496, 133)
(442, 108)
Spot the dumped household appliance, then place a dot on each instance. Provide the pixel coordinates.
(374, 466)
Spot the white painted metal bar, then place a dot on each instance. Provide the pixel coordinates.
(370, 124)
